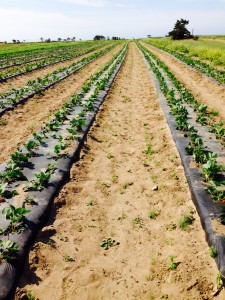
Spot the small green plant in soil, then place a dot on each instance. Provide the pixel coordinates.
(138, 221)
(172, 226)
(109, 155)
(114, 178)
(68, 258)
(124, 186)
(185, 221)
(172, 265)
(8, 250)
(108, 243)
(149, 149)
(219, 282)
(212, 251)
(91, 202)
(153, 214)
(175, 176)
(30, 295)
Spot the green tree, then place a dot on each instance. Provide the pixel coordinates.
(179, 31)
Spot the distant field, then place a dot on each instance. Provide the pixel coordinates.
(204, 49)
(26, 47)
(213, 37)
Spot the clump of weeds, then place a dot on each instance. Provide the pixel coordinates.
(138, 221)
(186, 220)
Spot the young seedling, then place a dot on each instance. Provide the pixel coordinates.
(153, 214)
(172, 265)
(108, 243)
(8, 250)
(149, 149)
(91, 202)
(138, 221)
(68, 258)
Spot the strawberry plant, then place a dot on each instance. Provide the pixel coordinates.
(8, 250)
(16, 217)
(38, 184)
(211, 169)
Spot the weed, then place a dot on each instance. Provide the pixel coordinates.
(172, 265)
(172, 226)
(106, 184)
(122, 216)
(108, 243)
(185, 221)
(3, 122)
(153, 214)
(30, 295)
(109, 155)
(68, 258)
(124, 186)
(138, 221)
(212, 251)
(149, 149)
(91, 202)
(114, 178)
(175, 176)
(219, 281)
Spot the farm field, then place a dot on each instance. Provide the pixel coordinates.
(205, 48)
(123, 225)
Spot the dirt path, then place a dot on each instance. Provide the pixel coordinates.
(204, 90)
(110, 194)
(29, 117)
(20, 81)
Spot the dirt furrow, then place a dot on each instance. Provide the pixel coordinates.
(17, 125)
(129, 186)
(204, 89)
(20, 81)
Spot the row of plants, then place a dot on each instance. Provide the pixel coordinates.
(61, 132)
(14, 96)
(61, 57)
(20, 57)
(203, 67)
(204, 158)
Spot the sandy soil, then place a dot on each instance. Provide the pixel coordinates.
(112, 189)
(29, 117)
(204, 90)
(20, 81)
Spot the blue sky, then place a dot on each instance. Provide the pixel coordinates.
(32, 19)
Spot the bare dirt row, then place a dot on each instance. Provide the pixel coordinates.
(20, 81)
(29, 117)
(204, 90)
(129, 186)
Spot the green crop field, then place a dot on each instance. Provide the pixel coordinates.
(204, 49)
